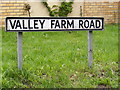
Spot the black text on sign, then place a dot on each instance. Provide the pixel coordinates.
(53, 23)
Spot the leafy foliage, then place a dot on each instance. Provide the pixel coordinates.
(63, 10)
(27, 8)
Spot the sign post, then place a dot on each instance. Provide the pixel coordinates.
(19, 49)
(90, 58)
(31, 24)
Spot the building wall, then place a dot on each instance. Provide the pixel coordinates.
(38, 9)
(11, 9)
(106, 9)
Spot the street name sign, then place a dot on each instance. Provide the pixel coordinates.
(22, 24)
(30, 24)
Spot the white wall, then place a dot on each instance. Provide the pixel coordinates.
(38, 9)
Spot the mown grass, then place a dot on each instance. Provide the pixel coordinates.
(59, 60)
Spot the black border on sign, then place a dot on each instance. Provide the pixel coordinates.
(55, 18)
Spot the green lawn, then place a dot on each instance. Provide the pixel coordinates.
(59, 60)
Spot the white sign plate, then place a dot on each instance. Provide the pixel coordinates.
(22, 24)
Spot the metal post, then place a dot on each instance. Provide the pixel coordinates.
(19, 49)
(90, 58)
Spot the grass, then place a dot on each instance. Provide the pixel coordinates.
(59, 60)
(0, 58)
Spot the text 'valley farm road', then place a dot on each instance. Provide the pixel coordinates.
(53, 23)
